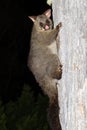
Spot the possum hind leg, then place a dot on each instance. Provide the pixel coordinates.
(54, 68)
(48, 85)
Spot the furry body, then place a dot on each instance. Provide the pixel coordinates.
(44, 62)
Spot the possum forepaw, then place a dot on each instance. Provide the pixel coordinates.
(59, 26)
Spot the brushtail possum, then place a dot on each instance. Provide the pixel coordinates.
(44, 62)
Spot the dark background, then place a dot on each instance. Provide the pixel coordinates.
(15, 31)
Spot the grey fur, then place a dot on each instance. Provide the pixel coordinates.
(44, 63)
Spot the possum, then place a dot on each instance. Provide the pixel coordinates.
(44, 62)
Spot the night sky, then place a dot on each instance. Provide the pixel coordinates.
(15, 31)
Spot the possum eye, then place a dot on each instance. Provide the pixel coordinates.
(41, 24)
(47, 22)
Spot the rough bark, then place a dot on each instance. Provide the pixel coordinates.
(73, 54)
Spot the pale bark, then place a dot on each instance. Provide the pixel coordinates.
(73, 54)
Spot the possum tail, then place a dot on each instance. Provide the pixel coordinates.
(53, 114)
(49, 86)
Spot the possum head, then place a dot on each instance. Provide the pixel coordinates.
(43, 21)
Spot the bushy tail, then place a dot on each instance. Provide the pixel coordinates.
(53, 114)
(49, 86)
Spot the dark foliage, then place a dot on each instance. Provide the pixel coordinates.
(25, 114)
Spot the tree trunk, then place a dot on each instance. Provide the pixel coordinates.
(73, 54)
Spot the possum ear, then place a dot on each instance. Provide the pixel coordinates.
(48, 13)
(33, 18)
